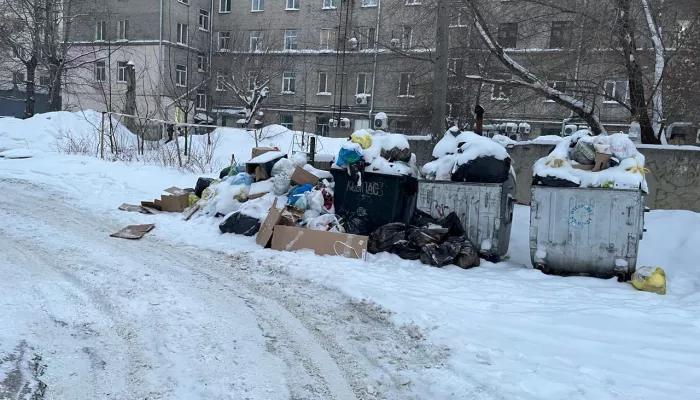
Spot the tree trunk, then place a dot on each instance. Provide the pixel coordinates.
(638, 103)
(30, 99)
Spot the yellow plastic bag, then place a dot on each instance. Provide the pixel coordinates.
(192, 200)
(650, 279)
(363, 138)
(555, 162)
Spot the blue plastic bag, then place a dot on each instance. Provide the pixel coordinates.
(242, 179)
(348, 156)
(298, 192)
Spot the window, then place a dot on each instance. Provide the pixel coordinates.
(323, 83)
(224, 41)
(182, 33)
(362, 83)
(458, 19)
(220, 81)
(252, 80)
(256, 41)
(290, 39)
(404, 127)
(44, 80)
(258, 5)
(413, 2)
(100, 71)
(101, 31)
(323, 128)
(370, 3)
(121, 71)
(292, 4)
(329, 4)
(561, 35)
(288, 83)
(407, 38)
(616, 91)
(18, 78)
(501, 92)
(201, 100)
(508, 35)
(456, 66)
(367, 36)
(123, 30)
(287, 121)
(201, 62)
(327, 39)
(181, 75)
(224, 6)
(558, 85)
(203, 20)
(405, 88)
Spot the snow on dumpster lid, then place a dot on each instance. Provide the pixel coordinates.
(266, 157)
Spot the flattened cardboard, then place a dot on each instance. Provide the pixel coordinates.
(133, 232)
(261, 150)
(134, 208)
(274, 218)
(260, 174)
(291, 238)
(303, 177)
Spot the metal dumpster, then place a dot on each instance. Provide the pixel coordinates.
(386, 198)
(586, 231)
(485, 210)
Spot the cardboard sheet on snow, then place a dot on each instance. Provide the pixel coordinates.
(275, 217)
(133, 232)
(292, 238)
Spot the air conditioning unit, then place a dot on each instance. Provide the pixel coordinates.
(569, 130)
(524, 128)
(381, 121)
(362, 99)
(511, 127)
(333, 123)
(395, 42)
(345, 123)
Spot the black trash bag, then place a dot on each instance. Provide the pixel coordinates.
(357, 223)
(396, 154)
(453, 224)
(553, 182)
(202, 183)
(384, 238)
(422, 218)
(240, 224)
(406, 250)
(423, 236)
(355, 171)
(439, 255)
(224, 172)
(483, 170)
(468, 256)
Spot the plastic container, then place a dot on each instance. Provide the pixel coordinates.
(386, 198)
(485, 210)
(586, 231)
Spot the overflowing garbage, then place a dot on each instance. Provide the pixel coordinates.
(378, 152)
(468, 157)
(583, 160)
(433, 242)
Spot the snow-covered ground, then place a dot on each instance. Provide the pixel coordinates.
(190, 313)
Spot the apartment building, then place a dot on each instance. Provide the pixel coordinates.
(326, 60)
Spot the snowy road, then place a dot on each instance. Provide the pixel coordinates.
(95, 317)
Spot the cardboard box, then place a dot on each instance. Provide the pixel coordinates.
(176, 201)
(601, 162)
(261, 166)
(303, 177)
(276, 217)
(262, 150)
(291, 238)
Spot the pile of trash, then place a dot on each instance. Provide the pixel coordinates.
(433, 242)
(582, 160)
(468, 157)
(377, 151)
(244, 194)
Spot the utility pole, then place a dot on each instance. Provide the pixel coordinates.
(442, 35)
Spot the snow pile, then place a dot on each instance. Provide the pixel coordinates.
(382, 152)
(503, 140)
(625, 170)
(458, 148)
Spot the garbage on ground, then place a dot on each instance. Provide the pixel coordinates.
(173, 199)
(133, 232)
(262, 165)
(135, 208)
(434, 242)
(650, 279)
(582, 160)
(468, 157)
(301, 176)
(240, 224)
(202, 183)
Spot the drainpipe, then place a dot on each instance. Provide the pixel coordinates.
(374, 70)
(160, 57)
